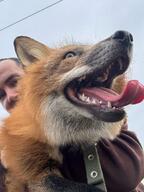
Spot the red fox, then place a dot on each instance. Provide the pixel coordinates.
(72, 94)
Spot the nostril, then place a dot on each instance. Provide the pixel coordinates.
(123, 36)
(130, 37)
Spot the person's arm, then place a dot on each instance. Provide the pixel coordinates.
(122, 161)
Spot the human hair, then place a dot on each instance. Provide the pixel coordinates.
(16, 60)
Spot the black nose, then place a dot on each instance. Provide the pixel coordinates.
(123, 36)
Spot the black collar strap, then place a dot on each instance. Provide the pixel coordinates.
(93, 168)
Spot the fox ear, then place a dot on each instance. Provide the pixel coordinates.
(30, 51)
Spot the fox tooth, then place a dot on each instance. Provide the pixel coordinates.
(103, 78)
(84, 77)
(109, 104)
(100, 101)
(83, 96)
(94, 101)
(88, 100)
(80, 79)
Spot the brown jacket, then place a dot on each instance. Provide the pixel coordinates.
(122, 162)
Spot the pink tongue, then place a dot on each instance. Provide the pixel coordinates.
(133, 93)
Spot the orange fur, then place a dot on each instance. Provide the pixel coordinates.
(26, 146)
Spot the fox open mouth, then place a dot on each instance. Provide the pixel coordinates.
(93, 92)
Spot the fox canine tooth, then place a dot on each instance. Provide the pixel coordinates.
(109, 104)
(82, 78)
(103, 78)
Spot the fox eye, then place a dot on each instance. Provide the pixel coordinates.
(69, 54)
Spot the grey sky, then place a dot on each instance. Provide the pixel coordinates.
(84, 21)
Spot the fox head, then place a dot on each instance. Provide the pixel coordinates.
(66, 90)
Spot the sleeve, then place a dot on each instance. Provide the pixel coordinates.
(122, 161)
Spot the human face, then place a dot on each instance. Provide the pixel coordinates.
(10, 72)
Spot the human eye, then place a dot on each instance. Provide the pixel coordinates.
(12, 82)
(2, 93)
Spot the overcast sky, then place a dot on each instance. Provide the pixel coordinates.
(86, 21)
